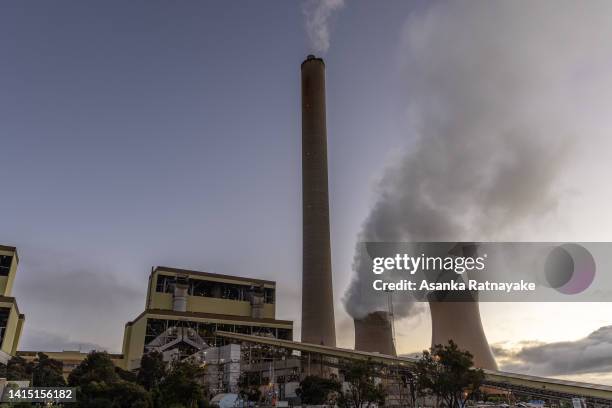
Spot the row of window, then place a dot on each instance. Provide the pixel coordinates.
(156, 327)
(220, 290)
(5, 264)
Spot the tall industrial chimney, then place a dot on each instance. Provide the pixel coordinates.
(375, 333)
(318, 324)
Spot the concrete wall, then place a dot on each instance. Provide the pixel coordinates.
(135, 343)
(201, 304)
(14, 326)
(6, 282)
(18, 331)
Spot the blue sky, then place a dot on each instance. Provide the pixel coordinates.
(156, 133)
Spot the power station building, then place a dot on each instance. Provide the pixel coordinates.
(11, 320)
(185, 308)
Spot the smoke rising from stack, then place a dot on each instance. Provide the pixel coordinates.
(491, 125)
(317, 15)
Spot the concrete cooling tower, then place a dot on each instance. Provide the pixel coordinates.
(374, 333)
(460, 321)
(318, 325)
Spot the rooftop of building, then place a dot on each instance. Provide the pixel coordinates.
(201, 274)
(11, 299)
(10, 249)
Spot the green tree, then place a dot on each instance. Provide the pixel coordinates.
(126, 375)
(47, 372)
(182, 386)
(152, 370)
(316, 390)
(363, 389)
(120, 394)
(18, 369)
(100, 386)
(447, 373)
(130, 395)
(96, 367)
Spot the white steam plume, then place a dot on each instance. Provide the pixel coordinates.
(499, 96)
(317, 14)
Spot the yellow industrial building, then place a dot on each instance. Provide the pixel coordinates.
(185, 308)
(11, 320)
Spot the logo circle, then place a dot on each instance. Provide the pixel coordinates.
(570, 269)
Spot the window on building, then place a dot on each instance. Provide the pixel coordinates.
(5, 264)
(200, 288)
(4, 316)
(264, 331)
(285, 334)
(163, 283)
(269, 295)
(226, 327)
(243, 329)
(219, 290)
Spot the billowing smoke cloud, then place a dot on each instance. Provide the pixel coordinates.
(492, 121)
(317, 14)
(592, 354)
